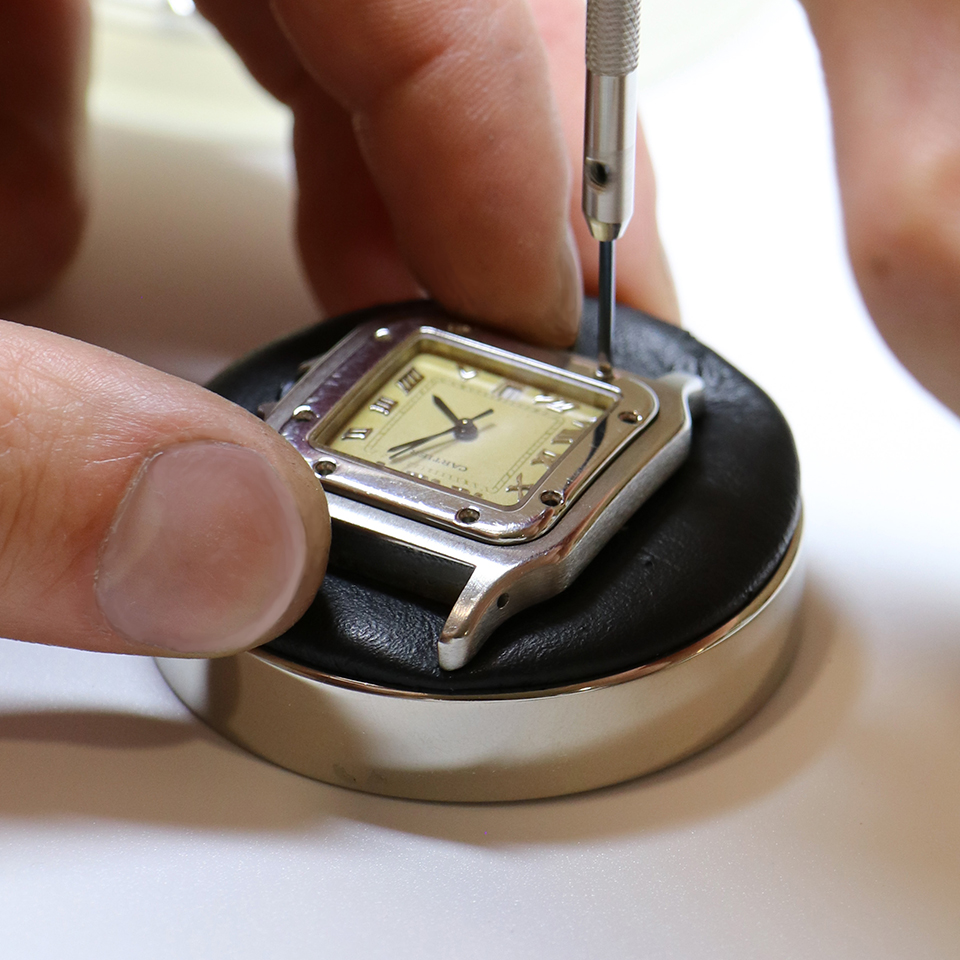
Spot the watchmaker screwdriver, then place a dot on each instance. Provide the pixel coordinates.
(609, 145)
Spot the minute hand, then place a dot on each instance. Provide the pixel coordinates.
(402, 448)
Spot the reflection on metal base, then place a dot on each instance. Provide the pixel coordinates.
(514, 746)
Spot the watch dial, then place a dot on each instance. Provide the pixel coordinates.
(468, 429)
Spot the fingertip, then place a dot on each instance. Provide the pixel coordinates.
(144, 514)
(559, 325)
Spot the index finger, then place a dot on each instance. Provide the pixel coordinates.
(451, 108)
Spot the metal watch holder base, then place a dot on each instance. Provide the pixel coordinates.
(677, 632)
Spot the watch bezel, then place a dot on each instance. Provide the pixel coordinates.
(328, 393)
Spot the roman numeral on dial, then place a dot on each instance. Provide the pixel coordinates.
(544, 456)
(384, 405)
(566, 436)
(357, 433)
(554, 403)
(509, 390)
(410, 379)
(519, 488)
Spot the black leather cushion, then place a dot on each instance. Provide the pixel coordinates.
(692, 557)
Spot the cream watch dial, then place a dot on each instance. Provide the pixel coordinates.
(473, 431)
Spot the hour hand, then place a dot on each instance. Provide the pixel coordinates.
(447, 412)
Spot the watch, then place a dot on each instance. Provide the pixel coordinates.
(475, 470)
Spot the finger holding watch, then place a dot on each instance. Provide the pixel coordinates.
(437, 144)
(143, 514)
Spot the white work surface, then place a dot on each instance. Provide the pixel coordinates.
(827, 827)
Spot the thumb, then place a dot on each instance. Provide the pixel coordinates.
(143, 514)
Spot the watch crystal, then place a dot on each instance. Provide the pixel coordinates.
(471, 430)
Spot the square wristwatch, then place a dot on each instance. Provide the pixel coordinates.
(476, 470)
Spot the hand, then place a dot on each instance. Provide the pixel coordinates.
(138, 513)
(892, 73)
(483, 226)
(445, 410)
(141, 514)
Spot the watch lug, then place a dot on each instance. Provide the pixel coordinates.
(480, 608)
(691, 388)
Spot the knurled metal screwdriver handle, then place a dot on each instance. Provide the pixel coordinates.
(610, 133)
(613, 36)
